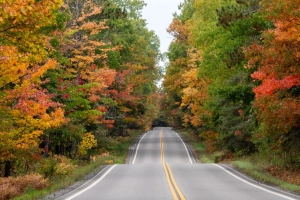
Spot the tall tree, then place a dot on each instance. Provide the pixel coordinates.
(275, 62)
(27, 108)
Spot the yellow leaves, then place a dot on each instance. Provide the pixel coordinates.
(28, 13)
(65, 166)
(88, 141)
(193, 89)
(195, 57)
(12, 67)
(39, 71)
(124, 109)
(23, 61)
(58, 118)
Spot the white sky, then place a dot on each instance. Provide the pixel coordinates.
(159, 15)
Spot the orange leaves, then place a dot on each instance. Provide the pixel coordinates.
(278, 115)
(211, 139)
(92, 27)
(194, 90)
(270, 85)
(11, 187)
(90, 10)
(23, 61)
(12, 66)
(277, 60)
(179, 30)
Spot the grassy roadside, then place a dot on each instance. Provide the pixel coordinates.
(198, 147)
(84, 172)
(253, 165)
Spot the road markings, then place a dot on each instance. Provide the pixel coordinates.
(137, 148)
(170, 184)
(176, 192)
(247, 182)
(184, 147)
(92, 185)
(162, 157)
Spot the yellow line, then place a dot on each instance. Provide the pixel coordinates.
(174, 183)
(170, 184)
(170, 178)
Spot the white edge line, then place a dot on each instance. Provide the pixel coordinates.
(264, 189)
(137, 148)
(92, 185)
(184, 147)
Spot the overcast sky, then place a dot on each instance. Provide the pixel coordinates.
(159, 15)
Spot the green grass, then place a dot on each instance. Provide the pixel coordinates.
(123, 146)
(57, 183)
(256, 171)
(198, 147)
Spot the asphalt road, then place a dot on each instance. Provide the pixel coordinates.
(162, 167)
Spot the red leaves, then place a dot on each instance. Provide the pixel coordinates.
(270, 85)
(65, 96)
(80, 81)
(32, 101)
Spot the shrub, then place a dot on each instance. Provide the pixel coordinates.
(64, 166)
(11, 187)
(47, 166)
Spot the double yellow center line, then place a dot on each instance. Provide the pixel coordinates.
(176, 192)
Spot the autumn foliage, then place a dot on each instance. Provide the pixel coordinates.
(72, 80)
(234, 78)
(11, 187)
(277, 98)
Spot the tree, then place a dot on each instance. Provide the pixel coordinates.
(276, 71)
(29, 109)
(82, 80)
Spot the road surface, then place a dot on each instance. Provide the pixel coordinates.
(162, 167)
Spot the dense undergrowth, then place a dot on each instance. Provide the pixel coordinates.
(59, 172)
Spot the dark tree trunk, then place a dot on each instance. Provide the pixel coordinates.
(7, 170)
(46, 148)
(72, 149)
(62, 150)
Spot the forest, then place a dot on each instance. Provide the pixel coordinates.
(77, 76)
(234, 79)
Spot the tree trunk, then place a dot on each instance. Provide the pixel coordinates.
(7, 170)
(46, 148)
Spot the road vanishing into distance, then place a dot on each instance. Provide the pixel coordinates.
(162, 167)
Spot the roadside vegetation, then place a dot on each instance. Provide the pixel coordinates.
(233, 81)
(254, 165)
(63, 172)
(77, 80)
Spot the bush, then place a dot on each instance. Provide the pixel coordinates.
(64, 166)
(11, 187)
(47, 166)
(55, 166)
